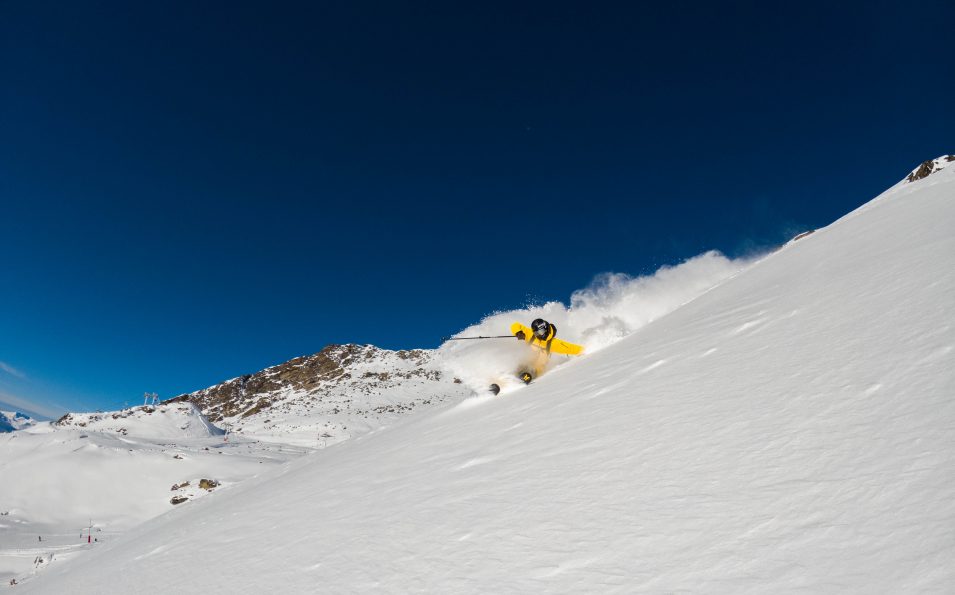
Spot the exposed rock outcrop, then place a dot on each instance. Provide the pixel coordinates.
(328, 396)
(929, 167)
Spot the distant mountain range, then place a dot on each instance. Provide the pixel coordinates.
(14, 420)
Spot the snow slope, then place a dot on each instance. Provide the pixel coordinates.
(112, 472)
(613, 307)
(172, 421)
(792, 429)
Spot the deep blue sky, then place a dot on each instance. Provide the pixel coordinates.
(192, 191)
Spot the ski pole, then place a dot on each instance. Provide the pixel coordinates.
(472, 338)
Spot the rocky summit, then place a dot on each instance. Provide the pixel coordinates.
(927, 168)
(326, 397)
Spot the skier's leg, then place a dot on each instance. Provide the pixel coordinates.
(540, 363)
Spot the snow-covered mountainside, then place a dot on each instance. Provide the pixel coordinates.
(83, 481)
(122, 468)
(14, 420)
(790, 429)
(321, 399)
(168, 420)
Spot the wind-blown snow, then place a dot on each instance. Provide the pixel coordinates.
(791, 429)
(614, 306)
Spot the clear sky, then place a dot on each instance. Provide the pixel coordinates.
(190, 191)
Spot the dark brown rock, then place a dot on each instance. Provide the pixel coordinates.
(926, 169)
(315, 374)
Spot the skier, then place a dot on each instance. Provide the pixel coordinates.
(543, 334)
(542, 337)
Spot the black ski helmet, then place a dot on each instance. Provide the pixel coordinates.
(542, 329)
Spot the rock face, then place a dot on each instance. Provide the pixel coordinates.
(331, 395)
(929, 167)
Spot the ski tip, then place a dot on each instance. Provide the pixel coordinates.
(495, 389)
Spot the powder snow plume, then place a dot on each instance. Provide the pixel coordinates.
(614, 306)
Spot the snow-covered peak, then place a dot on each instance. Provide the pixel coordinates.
(321, 399)
(930, 167)
(14, 420)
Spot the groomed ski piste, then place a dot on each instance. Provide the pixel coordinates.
(789, 429)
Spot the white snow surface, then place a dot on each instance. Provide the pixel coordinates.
(109, 472)
(172, 420)
(792, 429)
(614, 306)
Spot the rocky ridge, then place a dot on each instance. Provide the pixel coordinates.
(927, 168)
(320, 399)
